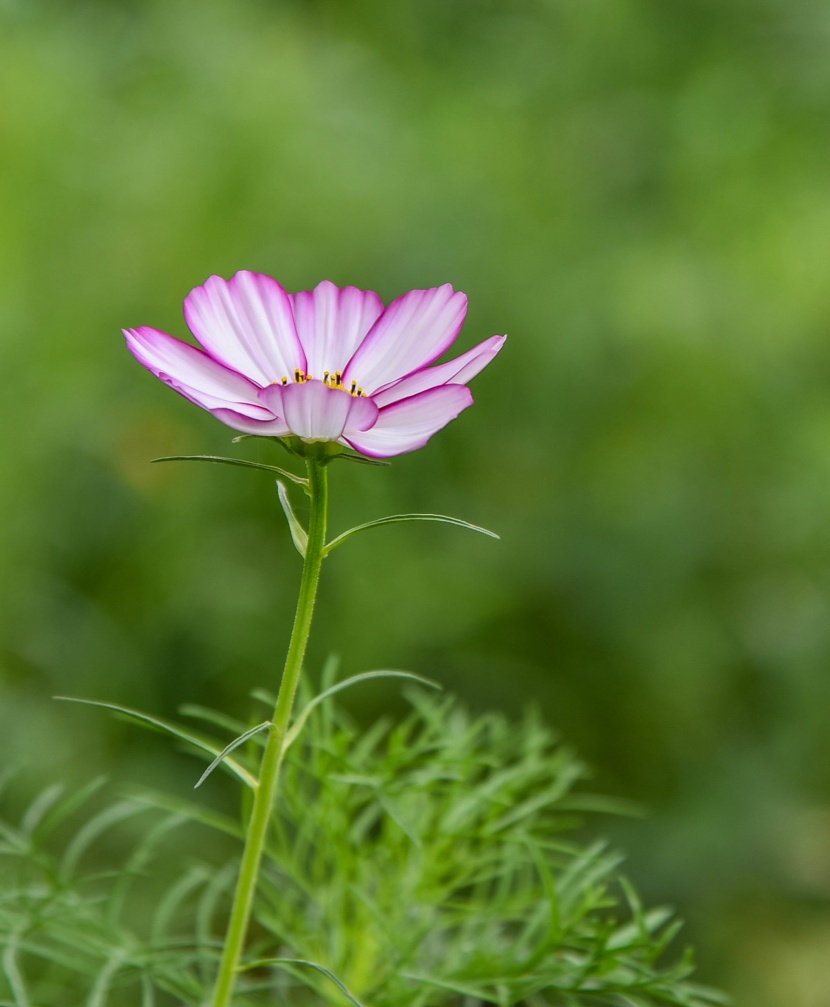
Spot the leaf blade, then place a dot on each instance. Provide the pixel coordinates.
(226, 751)
(242, 462)
(299, 536)
(260, 963)
(168, 728)
(364, 676)
(399, 519)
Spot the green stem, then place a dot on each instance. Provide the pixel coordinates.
(272, 758)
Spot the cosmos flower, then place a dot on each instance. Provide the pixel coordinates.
(329, 364)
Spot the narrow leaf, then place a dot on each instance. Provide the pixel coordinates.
(312, 965)
(399, 518)
(193, 812)
(475, 992)
(298, 533)
(69, 804)
(112, 815)
(148, 998)
(98, 994)
(213, 717)
(13, 974)
(174, 729)
(365, 676)
(171, 902)
(230, 748)
(243, 462)
(40, 806)
(264, 696)
(362, 459)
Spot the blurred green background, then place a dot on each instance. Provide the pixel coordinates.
(639, 194)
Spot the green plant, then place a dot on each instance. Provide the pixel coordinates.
(440, 860)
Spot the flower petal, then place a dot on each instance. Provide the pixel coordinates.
(363, 414)
(413, 331)
(272, 427)
(410, 423)
(247, 323)
(193, 373)
(331, 323)
(453, 372)
(271, 398)
(315, 412)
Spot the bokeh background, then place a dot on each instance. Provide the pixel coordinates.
(639, 193)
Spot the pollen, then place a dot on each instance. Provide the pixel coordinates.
(300, 377)
(336, 381)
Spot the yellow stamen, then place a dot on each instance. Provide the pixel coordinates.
(330, 380)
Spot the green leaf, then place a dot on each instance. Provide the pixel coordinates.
(262, 962)
(230, 748)
(13, 974)
(171, 902)
(216, 718)
(134, 870)
(193, 812)
(40, 807)
(399, 518)
(113, 814)
(98, 994)
(365, 676)
(298, 534)
(361, 459)
(448, 985)
(174, 729)
(69, 804)
(264, 696)
(243, 462)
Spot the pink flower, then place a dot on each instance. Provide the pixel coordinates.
(330, 364)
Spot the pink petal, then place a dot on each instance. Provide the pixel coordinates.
(272, 427)
(362, 416)
(331, 323)
(316, 412)
(453, 372)
(246, 323)
(409, 424)
(412, 332)
(193, 373)
(271, 398)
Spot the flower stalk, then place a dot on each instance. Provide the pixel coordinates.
(266, 789)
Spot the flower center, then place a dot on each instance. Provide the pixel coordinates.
(334, 381)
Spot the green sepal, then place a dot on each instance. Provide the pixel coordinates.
(220, 459)
(318, 451)
(299, 536)
(398, 518)
(324, 451)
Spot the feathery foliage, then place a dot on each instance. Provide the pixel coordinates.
(440, 860)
